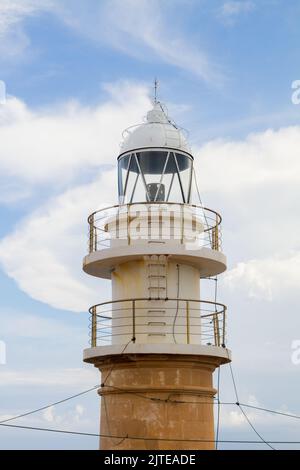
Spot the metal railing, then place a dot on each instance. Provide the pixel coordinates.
(179, 321)
(155, 221)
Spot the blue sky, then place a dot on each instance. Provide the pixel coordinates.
(77, 74)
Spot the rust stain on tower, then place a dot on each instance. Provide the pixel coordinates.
(156, 342)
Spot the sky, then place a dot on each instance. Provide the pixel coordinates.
(77, 74)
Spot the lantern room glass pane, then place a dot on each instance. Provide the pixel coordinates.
(185, 173)
(122, 172)
(155, 176)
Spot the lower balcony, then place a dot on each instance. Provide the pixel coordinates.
(165, 322)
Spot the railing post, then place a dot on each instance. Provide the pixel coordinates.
(187, 322)
(94, 327)
(91, 238)
(216, 329)
(95, 239)
(224, 327)
(215, 235)
(133, 321)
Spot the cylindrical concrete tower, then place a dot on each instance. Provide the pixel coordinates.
(157, 342)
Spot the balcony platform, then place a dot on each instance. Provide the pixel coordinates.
(102, 353)
(101, 263)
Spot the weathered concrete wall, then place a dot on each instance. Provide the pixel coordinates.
(127, 411)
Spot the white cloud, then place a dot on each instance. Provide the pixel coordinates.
(13, 11)
(13, 39)
(65, 381)
(231, 9)
(263, 158)
(139, 28)
(255, 182)
(267, 279)
(44, 254)
(69, 416)
(232, 417)
(59, 143)
(72, 416)
(80, 378)
(143, 22)
(11, 193)
(57, 147)
(25, 325)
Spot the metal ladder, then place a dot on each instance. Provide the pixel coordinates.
(157, 277)
(157, 288)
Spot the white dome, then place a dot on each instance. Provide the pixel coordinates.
(157, 131)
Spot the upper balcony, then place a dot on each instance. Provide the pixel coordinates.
(188, 233)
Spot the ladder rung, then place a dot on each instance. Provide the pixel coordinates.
(157, 287)
(162, 265)
(156, 334)
(156, 323)
(156, 311)
(161, 276)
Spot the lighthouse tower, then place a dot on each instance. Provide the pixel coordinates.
(156, 341)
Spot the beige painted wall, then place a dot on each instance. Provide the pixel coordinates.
(155, 318)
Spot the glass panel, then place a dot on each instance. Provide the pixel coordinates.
(159, 175)
(154, 166)
(185, 172)
(174, 192)
(122, 174)
(194, 193)
(136, 189)
(152, 163)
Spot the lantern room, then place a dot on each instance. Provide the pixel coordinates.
(155, 164)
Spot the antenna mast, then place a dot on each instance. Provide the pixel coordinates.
(156, 84)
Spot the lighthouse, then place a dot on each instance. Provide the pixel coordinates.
(154, 339)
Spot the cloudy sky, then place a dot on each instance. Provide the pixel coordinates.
(77, 74)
